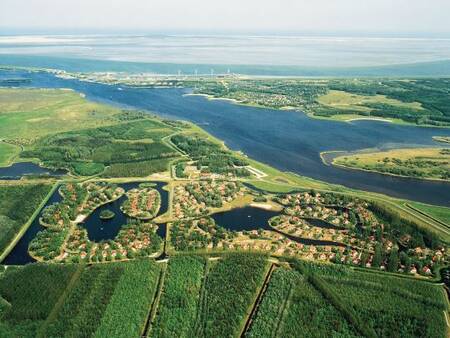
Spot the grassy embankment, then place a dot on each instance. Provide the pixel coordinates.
(423, 163)
(8, 152)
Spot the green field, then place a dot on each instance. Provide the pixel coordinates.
(26, 114)
(424, 163)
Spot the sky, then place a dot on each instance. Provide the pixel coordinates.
(230, 16)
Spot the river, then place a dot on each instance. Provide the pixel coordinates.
(286, 140)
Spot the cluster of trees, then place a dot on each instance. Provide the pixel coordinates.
(87, 152)
(398, 228)
(142, 203)
(179, 170)
(204, 192)
(82, 310)
(178, 306)
(383, 305)
(136, 169)
(17, 205)
(209, 156)
(22, 288)
(185, 237)
(129, 305)
(138, 230)
(431, 93)
(230, 290)
(48, 242)
(269, 317)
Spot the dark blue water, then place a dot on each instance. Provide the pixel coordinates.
(19, 255)
(251, 218)
(17, 170)
(286, 140)
(100, 229)
(97, 229)
(246, 218)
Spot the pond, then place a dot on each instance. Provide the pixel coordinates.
(251, 218)
(20, 169)
(245, 219)
(104, 229)
(97, 229)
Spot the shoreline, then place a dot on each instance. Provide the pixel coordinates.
(27, 225)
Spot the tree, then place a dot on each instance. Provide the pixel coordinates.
(393, 260)
(377, 257)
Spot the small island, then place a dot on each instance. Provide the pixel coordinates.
(142, 204)
(107, 214)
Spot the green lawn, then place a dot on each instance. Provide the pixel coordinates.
(7, 153)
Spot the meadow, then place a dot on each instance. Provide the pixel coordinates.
(27, 114)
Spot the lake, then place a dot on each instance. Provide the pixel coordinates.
(98, 229)
(252, 218)
(17, 170)
(286, 140)
(104, 229)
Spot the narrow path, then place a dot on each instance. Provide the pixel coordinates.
(152, 311)
(202, 302)
(56, 308)
(283, 311)
(258, 300)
